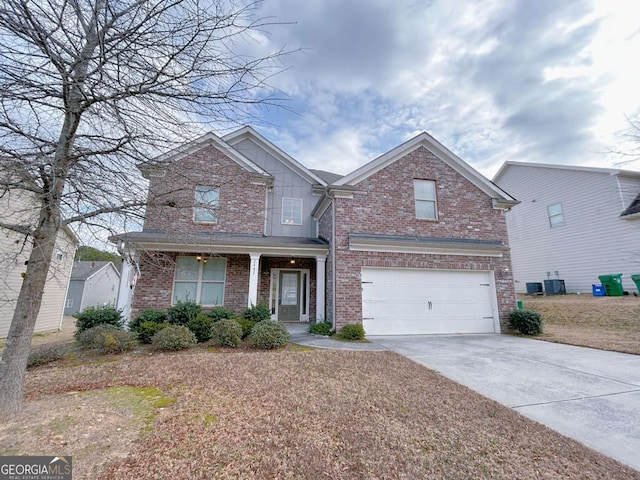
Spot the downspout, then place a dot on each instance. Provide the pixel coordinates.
(624, 205)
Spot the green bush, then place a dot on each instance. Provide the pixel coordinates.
(257, 313)
(246, 325)
(527, 322)
(321, 328)
(201, 327)
(107, 338)
(226, 333)
(183, 312)
(352, 331)
(268, 334)
(218, 313)
(148, 315)
(147, 329)
(47, 353)
(93, 316)
(173, 337)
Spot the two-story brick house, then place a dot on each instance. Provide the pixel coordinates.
(413, 242)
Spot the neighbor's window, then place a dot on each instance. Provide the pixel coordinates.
(291, 211)
(206, 204)
(556, 217)
(199, 279)
(425, 196)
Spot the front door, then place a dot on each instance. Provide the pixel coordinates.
(289, 301)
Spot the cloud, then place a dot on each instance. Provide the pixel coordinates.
(493, 81)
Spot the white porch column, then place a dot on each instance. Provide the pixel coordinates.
(253, 279)
(320, 287)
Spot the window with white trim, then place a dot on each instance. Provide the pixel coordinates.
(205, 208)
(556, 215)
(425, 198)
(199, 279)
(291, 211)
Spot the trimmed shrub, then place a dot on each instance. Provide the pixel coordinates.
(321, 328)
(527, 322)
(173, 337)
(218, 313)
(147, 329)
(268, 334)
(257, 313)
(352, 331)
(47, 353)
(183, 312)
(107, 338)
(226, 333)
(93, 316)
(201, 327)
(246, 325)
(148, 315)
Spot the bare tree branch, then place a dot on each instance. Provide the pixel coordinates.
(91, 88)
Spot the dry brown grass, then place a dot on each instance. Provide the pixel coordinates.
(292, 414)
(607, 323)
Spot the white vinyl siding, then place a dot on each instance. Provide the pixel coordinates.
(199, 279)
(291, 211)
(425, 198)
(206, 204)
(594, 241)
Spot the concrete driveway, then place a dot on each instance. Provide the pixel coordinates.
(590, 395)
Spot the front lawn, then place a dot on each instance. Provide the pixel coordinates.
(607, 323)
(283, 414)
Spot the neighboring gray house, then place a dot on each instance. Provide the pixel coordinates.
(581, 222)
(92, 283)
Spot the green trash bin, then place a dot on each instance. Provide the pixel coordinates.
(636, 280)
(612, 284)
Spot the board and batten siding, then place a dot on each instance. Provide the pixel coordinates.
(286, 183)
(593, 241)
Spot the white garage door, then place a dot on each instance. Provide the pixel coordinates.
(403, 301)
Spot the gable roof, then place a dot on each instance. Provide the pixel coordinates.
(633, 208)
(328, 177)
(83, 269)
(247, 132)
(608, 171)
(501, 198)
(205, 140)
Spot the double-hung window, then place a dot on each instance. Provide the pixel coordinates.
(425, 198)
(199, 279)
(205, 208)
(291, 211)
(556, 215)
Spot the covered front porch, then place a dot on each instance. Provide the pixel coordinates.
(287, 274)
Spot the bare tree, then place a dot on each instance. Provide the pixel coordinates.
(89, 89)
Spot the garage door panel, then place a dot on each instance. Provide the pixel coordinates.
(416, 301)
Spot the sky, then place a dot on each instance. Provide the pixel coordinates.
(549, 81)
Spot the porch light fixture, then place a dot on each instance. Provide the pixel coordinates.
(198, 257)
(292, 261)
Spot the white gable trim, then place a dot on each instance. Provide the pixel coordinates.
(608, 171)
(209, 139)
(249, 133)
(440, 151)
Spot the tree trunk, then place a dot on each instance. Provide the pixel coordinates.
(14, 358)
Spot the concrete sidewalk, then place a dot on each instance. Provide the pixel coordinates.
(590, 395)
(300, 335)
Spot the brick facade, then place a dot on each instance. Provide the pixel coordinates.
(383, 204)
(242, 203)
